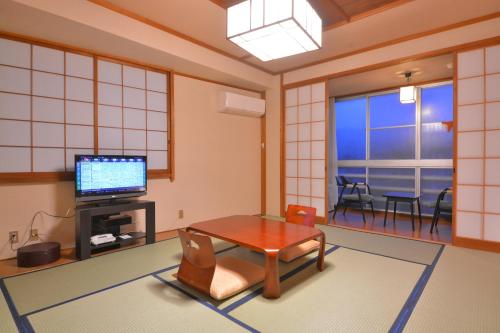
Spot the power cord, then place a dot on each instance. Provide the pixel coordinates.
(33, 219)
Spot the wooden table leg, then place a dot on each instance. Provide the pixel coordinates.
(271, 281)
(419, 212)
(386, 209)
(321, 254)
(412, 204)
(395, 207)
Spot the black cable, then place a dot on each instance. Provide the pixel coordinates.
(40, 212)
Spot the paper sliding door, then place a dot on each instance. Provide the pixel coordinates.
(305, 143)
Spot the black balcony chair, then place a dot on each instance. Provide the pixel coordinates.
(441, 208)
(354, 198)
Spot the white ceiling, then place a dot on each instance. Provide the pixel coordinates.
(205, 21)
(28, 21)
(426, 70)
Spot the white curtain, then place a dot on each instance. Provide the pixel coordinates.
(332, 157)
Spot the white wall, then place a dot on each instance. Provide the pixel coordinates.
(217, 173)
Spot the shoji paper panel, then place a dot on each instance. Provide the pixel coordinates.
(47, 109)
(79, 113)
(15, 80)
(478, 137)
(15, 159)
(15, 106)
(13, 53)
(41, 90)
(305, 142)
(133, 112)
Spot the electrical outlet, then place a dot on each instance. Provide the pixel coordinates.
(181, 213)
(13, 237)
(34, 235)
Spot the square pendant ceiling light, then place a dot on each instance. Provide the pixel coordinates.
(407, 94)
(272, 29)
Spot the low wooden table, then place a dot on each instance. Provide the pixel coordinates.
(263, 235)
(403, 197)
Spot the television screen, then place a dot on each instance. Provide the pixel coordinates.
(100, 177)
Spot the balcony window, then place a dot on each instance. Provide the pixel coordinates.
(395, 146)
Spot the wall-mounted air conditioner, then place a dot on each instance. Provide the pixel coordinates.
(241, 105)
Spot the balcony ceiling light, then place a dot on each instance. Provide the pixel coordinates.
(408, 94)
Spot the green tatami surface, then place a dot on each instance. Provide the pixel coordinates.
(357, 292)
(7, 323)
(462, 295)
(248, 255)
(400, 248)
(40, 289)
(145, 305)
(371, 283)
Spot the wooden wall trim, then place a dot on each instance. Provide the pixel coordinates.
(398, 40)
(35, 177)
(263, 162)
(429, 54)
(282, 147)
(140, 18)
(327, 152)
(199, 78)
(477, 244)
(368, 13)
(320, 220)
(96, 106)
(392, 88)
(49, 177)
(171, 127)
(455, 150)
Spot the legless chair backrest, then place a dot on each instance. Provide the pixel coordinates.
(198, 261)
(301, 215)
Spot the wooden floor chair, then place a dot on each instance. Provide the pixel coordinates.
(304, 216)
(219, 278)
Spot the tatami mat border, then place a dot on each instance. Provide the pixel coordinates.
(381, 233)
(381, 255)
(411, 302)
(117, 285)
(259, 291)
(24, 325)
(77, 261)
(207, 304)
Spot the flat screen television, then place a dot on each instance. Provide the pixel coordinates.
(109, 177)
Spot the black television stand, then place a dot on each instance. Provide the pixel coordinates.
(83, 224)
(110, 202)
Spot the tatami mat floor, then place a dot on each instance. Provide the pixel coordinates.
(372, 283)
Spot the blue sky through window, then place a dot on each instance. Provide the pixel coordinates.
(392, 126)
(350, 121)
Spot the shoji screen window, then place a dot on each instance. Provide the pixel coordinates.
(305, 147)
(46, 107)
(133, 112)
(478, 149)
